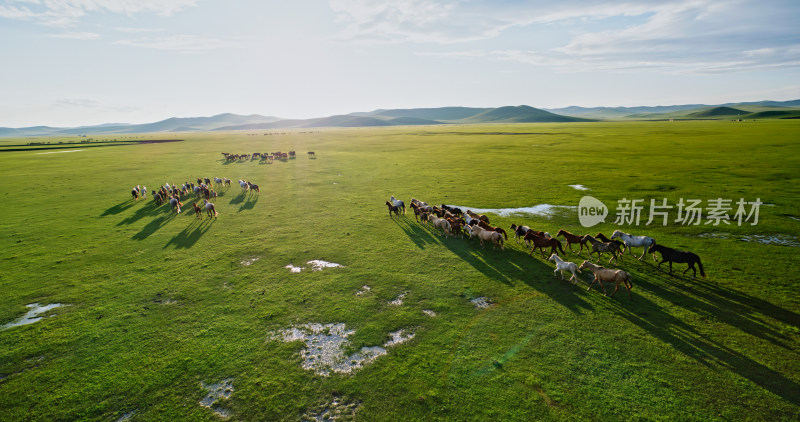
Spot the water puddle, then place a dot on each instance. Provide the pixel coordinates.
(325, 344)
(319, 265)
(481, 302)
(429, 312)
(222, 390)
(542, 210)
(364, 289)
(578, 187)
(316, 265)
(250, 261)
(59, 152)
(720, 235)
(126, 416)
(773, 239)
(398, 300)
(336, 409)
(293, 269)
(32, 315)
(793, 218)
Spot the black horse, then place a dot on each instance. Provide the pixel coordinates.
(453, 210)
(671, 255)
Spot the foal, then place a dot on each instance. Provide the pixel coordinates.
(562, 265)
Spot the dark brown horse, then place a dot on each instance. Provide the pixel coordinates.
(198, 211)
(682, 257)
(620, 244)
(393, 209)
(601, 247)
(541, 242)
(572, 238)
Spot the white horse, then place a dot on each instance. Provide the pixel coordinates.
(175, 204)
(244, 185)
(631, 241)
(398, 203)
(562, 265)
(217, 181)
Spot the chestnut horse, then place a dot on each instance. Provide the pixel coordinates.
(198, 211)
(572, 238)
(541, 242)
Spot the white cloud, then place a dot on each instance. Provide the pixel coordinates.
(184, 43)
(67, 13)
(77, 35)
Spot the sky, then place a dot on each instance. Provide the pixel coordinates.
(86, 62)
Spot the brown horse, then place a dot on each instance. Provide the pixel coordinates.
(608, 275)
(198, 211)
(541, 242)
(572, 238)
(393, 209)
(478, 216)
(493, 228)
(600, 247)
(620, 244)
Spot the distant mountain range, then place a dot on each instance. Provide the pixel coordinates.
(429, 116)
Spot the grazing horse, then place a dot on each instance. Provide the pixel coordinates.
(393, 209)
(198, 211)
(398, 203)
(572, 238)
(562, 265)
(478, 216)
(493, 228)
(608, 275)
(600, 247)
(211, 210)
(486, 235)
(519, 231)
(682, 257)
(311, 154)
(631, 241)
(540, 242)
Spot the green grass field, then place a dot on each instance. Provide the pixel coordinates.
(161, 304)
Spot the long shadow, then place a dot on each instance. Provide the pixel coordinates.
(153, 226)
(116, 209)
(148, 209)
(505, 266)
(238, 199)
(699, 347)
(191, 234)
(250, 203)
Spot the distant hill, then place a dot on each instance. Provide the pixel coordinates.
(520, 114)
(430, 116)
(718, 111)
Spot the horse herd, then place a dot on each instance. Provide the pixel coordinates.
(174, 194)
(453, 221)
(264, 156)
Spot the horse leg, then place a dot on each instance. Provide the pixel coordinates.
(592, 283)
(644, 251)
(616, 289)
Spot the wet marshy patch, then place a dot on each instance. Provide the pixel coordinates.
(541, 210)
(773, 239)
(35, 309)
(326, 343)
(216, 392)
(398, 300)
(316, 265)
(578, 187)
(337, 409)
(481, 302)
(249, 261)
(429, 312)
(364, 290)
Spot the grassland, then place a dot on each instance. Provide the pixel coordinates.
(161, 303)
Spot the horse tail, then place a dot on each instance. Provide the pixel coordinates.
(559, 247)
(627, 280)
(700, 264)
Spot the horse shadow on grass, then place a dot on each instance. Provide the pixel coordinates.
(116, 209)
(718, 304)
(148, 209)
(505, 266)
(153, 226)
(191, 234)
(238, 199)
(249, 203)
